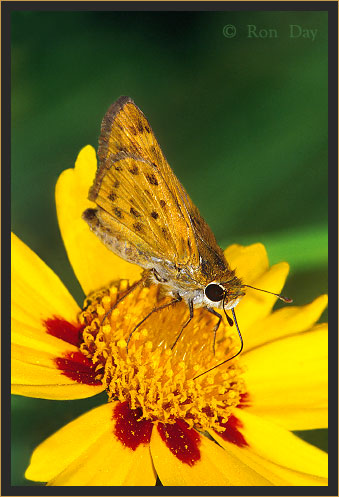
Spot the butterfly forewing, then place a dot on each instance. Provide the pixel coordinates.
(135, 181)
(135, 195)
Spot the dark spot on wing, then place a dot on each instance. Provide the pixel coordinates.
(151, 178)
(147, 129)
(177, 203)
(162, 203)
(195, 221)
(148, 193)
(138, 227)
(117, 212)
(205, 267)
(140, 127)
(134, 131)
(118, 168)
(165, 233)
(154, 214)
(90, 214)
(116, 184)
(134, 212)
(112, 196)
(134, 169)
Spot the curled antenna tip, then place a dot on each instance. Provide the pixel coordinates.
(286, 299)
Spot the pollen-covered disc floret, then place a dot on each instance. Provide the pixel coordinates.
(151, 376)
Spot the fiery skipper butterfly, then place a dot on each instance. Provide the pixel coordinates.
(144, 215)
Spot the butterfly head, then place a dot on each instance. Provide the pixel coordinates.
(227, 295)
(224, 294)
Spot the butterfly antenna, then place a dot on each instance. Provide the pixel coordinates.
(235, 355)
(281, 297)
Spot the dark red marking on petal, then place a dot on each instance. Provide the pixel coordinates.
(182, 441)
(79, 368)
(245, 400)
(232, 433)
(129, 428)
(68, 332)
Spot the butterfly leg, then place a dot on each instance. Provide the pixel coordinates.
(131, 288)
(190, 306)
(215, 329)
(157, 276)
(156, 309)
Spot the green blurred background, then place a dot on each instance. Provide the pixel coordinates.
(242, 121)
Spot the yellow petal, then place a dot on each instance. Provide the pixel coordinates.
(37, 292)
(34, 374)
(86, 452)
(216, 466)
(58, 391)
(37, 295)
(285, 321)
(280, 446)
(277, 474)
(249, 262)
(94, 265)
(257, 305)
(287, 380)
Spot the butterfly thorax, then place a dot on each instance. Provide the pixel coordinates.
(190, 283)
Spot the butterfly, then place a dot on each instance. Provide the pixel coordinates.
(144, 215)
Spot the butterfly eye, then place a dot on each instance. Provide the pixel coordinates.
(214, 292)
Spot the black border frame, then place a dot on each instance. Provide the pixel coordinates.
(7, 7)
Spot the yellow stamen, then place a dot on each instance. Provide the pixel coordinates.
(150, 375)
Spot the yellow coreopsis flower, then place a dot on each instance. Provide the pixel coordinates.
(159, 420)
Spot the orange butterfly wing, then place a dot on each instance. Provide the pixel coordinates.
(139, 195)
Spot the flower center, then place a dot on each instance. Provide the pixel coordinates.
(151, 376)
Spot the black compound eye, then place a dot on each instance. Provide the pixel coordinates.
(214, 292)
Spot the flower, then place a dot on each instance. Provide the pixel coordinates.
(161, 418)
